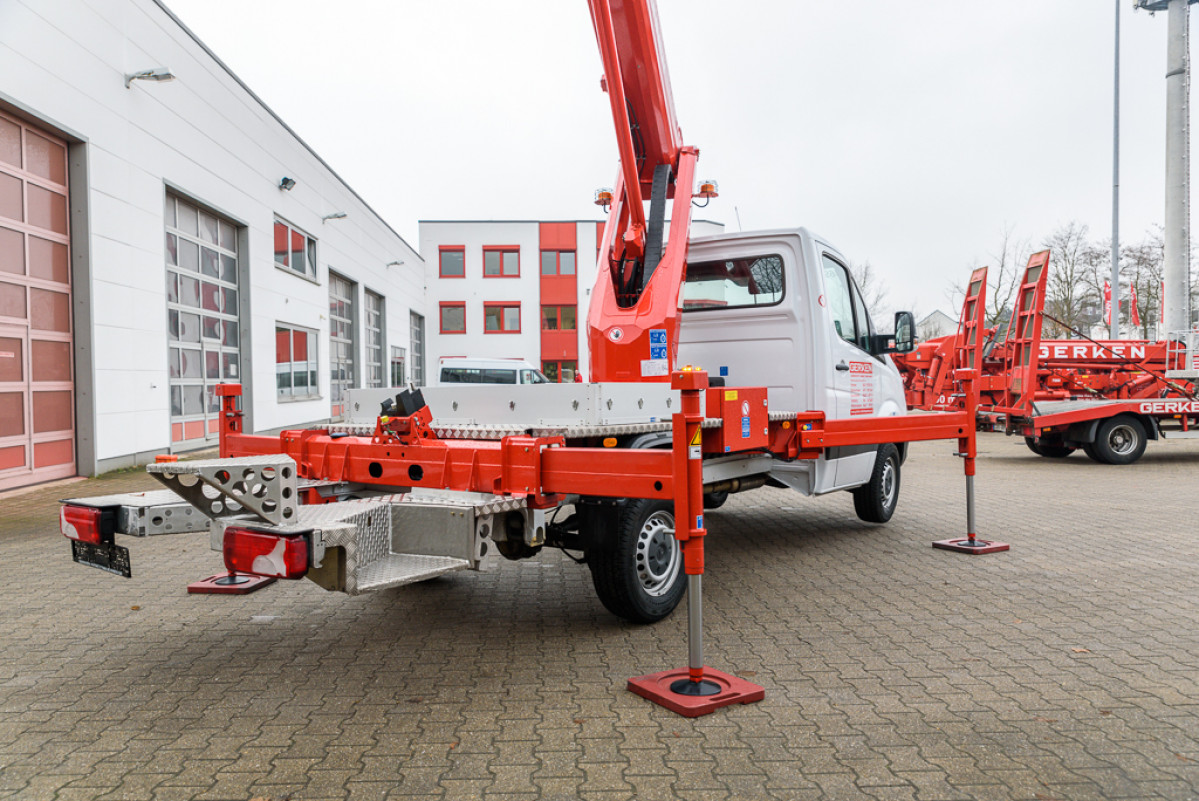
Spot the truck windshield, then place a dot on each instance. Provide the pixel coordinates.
(733, 283)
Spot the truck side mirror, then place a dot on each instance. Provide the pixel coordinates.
(905, 332)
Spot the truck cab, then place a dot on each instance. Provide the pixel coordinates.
(780, 309)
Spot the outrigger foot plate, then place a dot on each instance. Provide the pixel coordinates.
(728, 690)
(966, 545)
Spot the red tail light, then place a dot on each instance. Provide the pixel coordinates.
(80, 523)
(263, 554)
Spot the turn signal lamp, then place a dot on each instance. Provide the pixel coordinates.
(81, 523)
(261, 554)
(603, 197)
(708, 189)
(609, 442)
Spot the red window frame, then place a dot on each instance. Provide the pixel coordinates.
(441, 317)
(450, 249)
(501, 249)
(556, 370)
(558, 262)
(558, 307)
(502, 305)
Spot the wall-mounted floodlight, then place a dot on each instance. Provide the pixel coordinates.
(395, 263)
(337, 215)
(156, 74)
(287, 184)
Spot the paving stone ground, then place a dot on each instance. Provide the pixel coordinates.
(1065, 669)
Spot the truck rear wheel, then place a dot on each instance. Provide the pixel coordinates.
(639, 577)
(875, 501)
(1120, 440)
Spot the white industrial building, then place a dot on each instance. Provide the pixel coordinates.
(515, 289)
(161, 231)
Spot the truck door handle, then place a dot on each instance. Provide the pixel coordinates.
(842, 366)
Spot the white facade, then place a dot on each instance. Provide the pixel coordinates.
(528, 289)
(205, 138)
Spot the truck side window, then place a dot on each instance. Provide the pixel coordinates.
(865, 326)
(840, 301)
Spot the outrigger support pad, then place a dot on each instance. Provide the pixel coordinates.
(229, 583)
(696, 689)
(971, 543)
(727, 690)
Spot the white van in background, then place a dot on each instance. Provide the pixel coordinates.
(466, 370)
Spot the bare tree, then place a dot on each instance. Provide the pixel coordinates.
(1003, 277)
(1070, 293)
(873, 290)
(1142, 264)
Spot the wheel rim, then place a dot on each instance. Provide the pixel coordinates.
(1122, 440)
(889, 483)
(658, 554)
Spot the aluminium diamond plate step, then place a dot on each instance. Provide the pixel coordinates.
(396, 570)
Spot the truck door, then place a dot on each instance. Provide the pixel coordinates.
(853, 376)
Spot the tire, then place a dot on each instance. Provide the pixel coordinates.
(1089, 449)
(1120, 440)
(715, 500)
(1048, 448)
(875, 501)
(640, 577)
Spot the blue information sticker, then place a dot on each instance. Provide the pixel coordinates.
(724, 370)
(657, 351)
(699, 521)
(657, 336)
(744, 428)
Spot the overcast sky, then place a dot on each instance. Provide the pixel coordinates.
(911, 134)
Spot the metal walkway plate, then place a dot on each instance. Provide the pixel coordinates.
(397, 570)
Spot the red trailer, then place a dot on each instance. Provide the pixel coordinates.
(1107, 397)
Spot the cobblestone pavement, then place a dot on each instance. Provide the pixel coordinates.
(1067, 668)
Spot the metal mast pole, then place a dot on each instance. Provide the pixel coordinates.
(1177, 244)
(1114, 331)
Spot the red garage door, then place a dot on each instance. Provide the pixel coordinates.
(37, 414)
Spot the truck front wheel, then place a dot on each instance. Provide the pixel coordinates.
(1119, 440)
(639, 575)
(875, 500)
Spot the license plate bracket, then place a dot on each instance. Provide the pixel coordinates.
(107, 556)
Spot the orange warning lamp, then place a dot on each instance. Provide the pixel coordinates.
(707, 190)
(603, 197)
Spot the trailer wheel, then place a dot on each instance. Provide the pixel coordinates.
(1120, 440)
(640, 576)
(875, 501)
(715, 500)
(1048, 448)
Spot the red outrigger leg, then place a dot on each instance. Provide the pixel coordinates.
(696, 689)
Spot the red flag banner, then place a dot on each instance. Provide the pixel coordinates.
(1133, 311)
(1107, 303)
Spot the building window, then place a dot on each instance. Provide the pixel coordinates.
(557, 262)
(295, 362)
(453, 318)
(452, 261)
(417, 339)
(562, 371)
(342, 345)
(202, 316)
(501, 318)
(374, 325)
(295, 250)
(397, 367)
(558, 318)
(501, 262)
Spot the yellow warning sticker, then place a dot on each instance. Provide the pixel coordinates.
(695, 439)
(730, 394)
